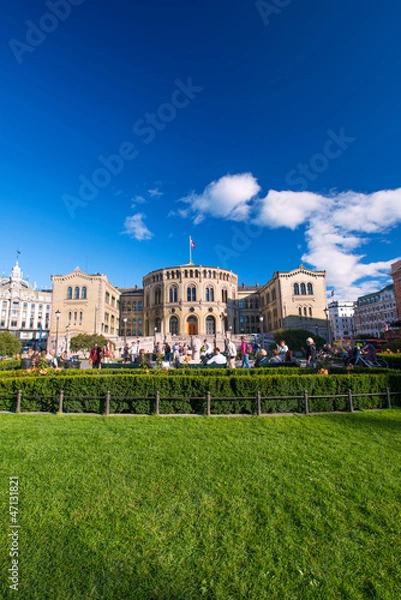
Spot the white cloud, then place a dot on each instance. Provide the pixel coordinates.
(228, 198)
(136, 228)
(155, 192)
(137, 200)
(337, 225)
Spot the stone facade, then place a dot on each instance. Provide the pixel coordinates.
(295, 300)
(86, 304)
(341, 315)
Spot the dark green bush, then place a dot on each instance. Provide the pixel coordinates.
(133, 392)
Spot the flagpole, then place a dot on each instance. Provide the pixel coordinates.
(190, 250)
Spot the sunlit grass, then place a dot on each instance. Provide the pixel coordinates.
(187, 508)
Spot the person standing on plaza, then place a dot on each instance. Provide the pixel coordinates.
(244, 354)
(231, 354)
(310, 352)
(95, 357)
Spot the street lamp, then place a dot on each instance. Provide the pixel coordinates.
(58, 313)
(125, 331)
(326, 312)
(155, 330)
(261, 330)
(67, 330)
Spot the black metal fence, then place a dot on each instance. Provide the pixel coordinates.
(302, 403)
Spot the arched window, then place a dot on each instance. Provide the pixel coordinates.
(84, 291)
(303, 289)
(76, 293)
(173, 294)
(69, 316)
(310, 311)
(158, 296)
(173, 325)
(140, 305)
(191, 293)
(209, 294)
(210, 325)
(224, 295)
(75, 317)
(296, 289)
(107, 298)
(81, 316)
(310, 289)
(69, 293)
(305, 314)
(128, 307)
(300, 311)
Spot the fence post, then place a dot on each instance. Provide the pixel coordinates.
(157, 402)
(388, 397)
(258, 404)
(18, 405)
(208, 411)
(306, 402)
(60, 402)
(107, 411)
(351, 406)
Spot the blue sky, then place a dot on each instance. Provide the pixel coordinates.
(266, 130)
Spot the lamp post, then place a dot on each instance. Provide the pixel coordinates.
(125, 331)
(58, 313)
(326, 312)
(155, 330)
(261, 330)
(67, 330)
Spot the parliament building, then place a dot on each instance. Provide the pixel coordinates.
(188, 300)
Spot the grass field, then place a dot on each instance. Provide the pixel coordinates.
(186, 508)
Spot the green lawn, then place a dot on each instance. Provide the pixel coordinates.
(187, 508)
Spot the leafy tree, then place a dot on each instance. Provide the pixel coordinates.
(9, 345)
(296, 338)
(84, 342)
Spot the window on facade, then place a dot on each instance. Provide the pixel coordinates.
(107, 298)
(303, 289)
(300, 311)
(310, 311)
(69, 293)
(310, 289)
(209, 294)
(158, 296)
(296, 289)
(191, 293)
(84, 292)
(140, 306)
(305, 314)
(173, 294)
(173, 326)
(273, 295)
(76, 293)
(81, 316)
(75, 317)
(224, 295)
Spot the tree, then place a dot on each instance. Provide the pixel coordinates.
(9, 345)
(84, 342)
(296, 338)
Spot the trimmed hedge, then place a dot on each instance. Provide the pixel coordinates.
(130, 392)
(9, 365)
(393, 360)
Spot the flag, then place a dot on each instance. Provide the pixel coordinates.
(385, 326)
(192, 243)
(332, 293)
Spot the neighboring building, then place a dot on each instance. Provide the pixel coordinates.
(295, 300)
(396, 275)
(341, 317)
(25, 311)
(131, 312)
(84, 304)
(375, 312)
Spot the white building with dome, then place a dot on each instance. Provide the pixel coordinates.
(25, 311)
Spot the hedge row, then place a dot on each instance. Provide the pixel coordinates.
(129, 394)
(393, 360)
